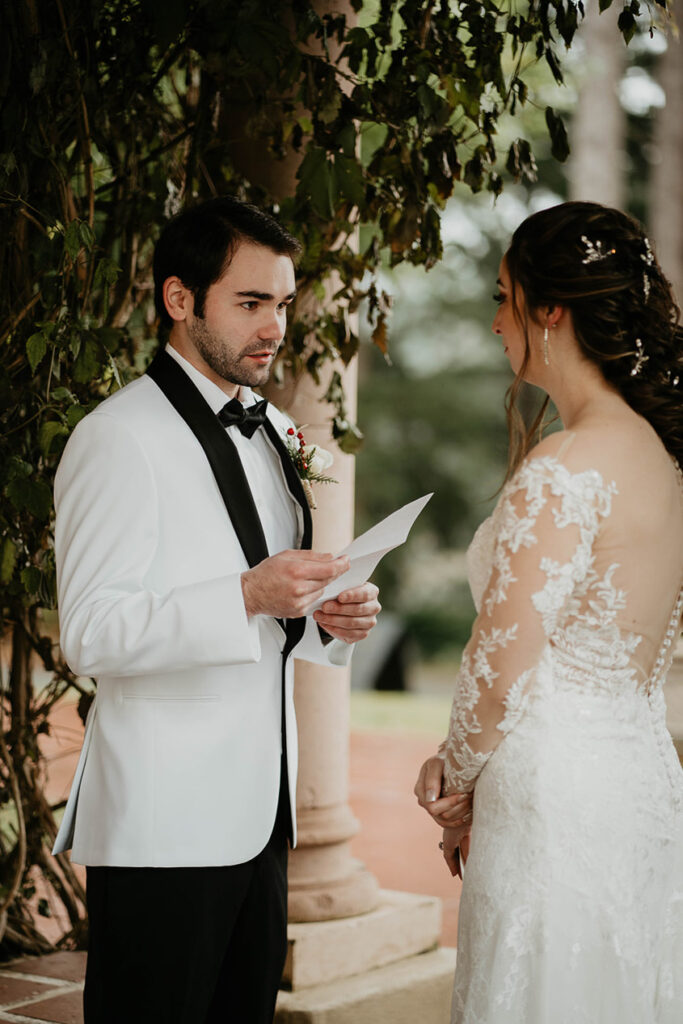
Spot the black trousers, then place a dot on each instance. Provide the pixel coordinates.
(188, 945)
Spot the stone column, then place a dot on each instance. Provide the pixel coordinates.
(666, 184)
(596, 167)
(325, 882)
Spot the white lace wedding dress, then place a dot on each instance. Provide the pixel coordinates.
(572, 902)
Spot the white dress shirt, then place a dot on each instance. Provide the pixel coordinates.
(262, 466)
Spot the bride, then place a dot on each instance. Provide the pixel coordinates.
(572, 900)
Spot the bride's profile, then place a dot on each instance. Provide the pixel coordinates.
(557, 756)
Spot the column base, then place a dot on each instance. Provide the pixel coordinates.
(416, 989)
(402, 925)
(325, 881)
(355, 893)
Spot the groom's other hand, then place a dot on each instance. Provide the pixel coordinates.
(352, 614)
(447, 811)
(288, 583)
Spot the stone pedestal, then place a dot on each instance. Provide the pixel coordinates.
(413, 991)
(381, 966)
(402, 925)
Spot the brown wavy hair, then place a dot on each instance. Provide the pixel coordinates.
(614, 300)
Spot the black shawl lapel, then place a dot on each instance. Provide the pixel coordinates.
(293, 480)
(219, 450)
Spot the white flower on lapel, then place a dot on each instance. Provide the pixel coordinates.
(317, 459)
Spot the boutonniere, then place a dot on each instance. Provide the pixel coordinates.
(310, 462)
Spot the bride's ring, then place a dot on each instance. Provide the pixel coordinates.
(441, 846)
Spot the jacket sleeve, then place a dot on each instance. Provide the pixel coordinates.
(547, 520)
(111, 621)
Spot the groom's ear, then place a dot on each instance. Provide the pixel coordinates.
(178, 299)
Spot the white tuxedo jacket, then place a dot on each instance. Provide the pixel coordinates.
(181, 758)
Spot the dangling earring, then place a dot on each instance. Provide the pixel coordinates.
(546, 354)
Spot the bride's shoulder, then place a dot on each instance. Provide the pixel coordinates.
(570, 451)
(615, 456)
(572, 461)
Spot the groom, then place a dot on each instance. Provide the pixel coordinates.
(184, 569)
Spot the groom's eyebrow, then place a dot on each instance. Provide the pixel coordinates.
(264, 296)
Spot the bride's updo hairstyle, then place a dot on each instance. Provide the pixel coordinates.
(598, 263)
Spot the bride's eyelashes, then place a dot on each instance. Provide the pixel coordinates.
(498, 297)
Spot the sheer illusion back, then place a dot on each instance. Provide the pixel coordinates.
(574, 879)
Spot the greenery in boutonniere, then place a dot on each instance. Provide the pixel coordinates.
(310, 462)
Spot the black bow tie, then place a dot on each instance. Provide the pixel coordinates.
(248, 420)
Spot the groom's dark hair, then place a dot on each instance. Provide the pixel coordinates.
(198, 245)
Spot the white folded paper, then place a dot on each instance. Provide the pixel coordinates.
(367, 550)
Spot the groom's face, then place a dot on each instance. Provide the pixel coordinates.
(245, 316)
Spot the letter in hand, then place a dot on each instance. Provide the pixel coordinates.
(288, 583)
(352, 614)
(447, 811)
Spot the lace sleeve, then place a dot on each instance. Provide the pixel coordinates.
(546, 524)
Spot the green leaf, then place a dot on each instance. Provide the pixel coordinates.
(626, 24)
(86, 235)
(350, 179)
(558, 135)
(36, 347)
(604, 5)
(50, 430)
(88, 363)
(347, 435)
(28, 495)
(61, 393)
(8, 559)
(110, 337)
(474, 173)
(317, 182)
(346, 138)
(30, 577)
(72, 239)
(74, 414)
(106, 272)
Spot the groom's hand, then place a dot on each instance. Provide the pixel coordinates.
(447, 811)
(352, 614)
(288, 583)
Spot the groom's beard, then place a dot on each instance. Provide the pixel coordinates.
(234, 367)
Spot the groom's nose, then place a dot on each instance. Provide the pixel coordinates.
(272, 325)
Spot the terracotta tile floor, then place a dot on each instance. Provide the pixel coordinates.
(396, 841)
(47, 988)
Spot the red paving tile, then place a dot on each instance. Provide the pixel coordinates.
(62, 1009)
(18, 989)
(64, 966)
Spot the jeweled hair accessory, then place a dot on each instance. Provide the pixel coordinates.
(595, 251)
(640, 359)
(648, 259)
